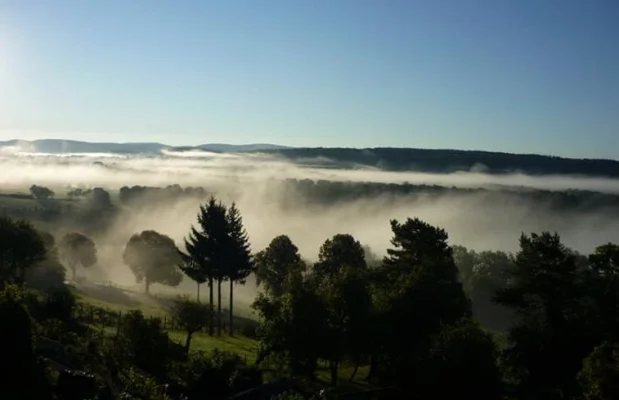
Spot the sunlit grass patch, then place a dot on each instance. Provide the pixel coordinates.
(243, 346)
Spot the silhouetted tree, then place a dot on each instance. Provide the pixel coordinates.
(76, 249)
(49, 272)
(194, 271)
(41, 192)
(21, 247)
(100, 198)
(192, 316)
(337, 253)
(461, 363)
(240, 263)
(22, 376)
(483, 273)
(206, 249)
(421, 289)
(549, 338)
(293, 326)
(153, 258)
(75, 193)
(277, 265)
(604, 288)
(342, 281)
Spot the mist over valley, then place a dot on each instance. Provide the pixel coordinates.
(305, 200)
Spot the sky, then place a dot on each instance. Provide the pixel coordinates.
(525, 76)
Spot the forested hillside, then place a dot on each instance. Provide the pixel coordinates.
(445, 161)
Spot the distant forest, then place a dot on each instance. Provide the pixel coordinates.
(389, 159)
(446, 161)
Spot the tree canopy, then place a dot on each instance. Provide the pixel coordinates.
(21, 247)
(153, 258)
(76, 249)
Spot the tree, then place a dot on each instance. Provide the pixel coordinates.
(342, 281)
(604, 288)
(16, 345)
(489, 274)
(194, 271)
(240, 263)
(599, 378)
(465, 356)
(192, 316)
(41, 192)
(100, 198)
(76, 249)
(21, 247)
(337, 253)
(143, 343)
(421, 289)
(292, 326)
(75, 193)
(206, 249)
(153, 258)
(278, 265)
(551, 334)
(49, 272)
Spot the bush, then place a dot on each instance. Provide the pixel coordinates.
(137, 385)
(144, 343)
(249, 329)
(60, 304)
(46, 275)
(599, 378)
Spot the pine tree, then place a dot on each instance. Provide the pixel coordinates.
(239, 264)
(206, 249)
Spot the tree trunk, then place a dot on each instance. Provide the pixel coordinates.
(333, 368)
(198, 294)
(188, 341)
(354, 373)
(231, 330)
(211, 326)
(219, 307)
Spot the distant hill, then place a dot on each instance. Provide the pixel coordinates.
(446, 161)
(58, 146)
(385, 158)
(229, 148)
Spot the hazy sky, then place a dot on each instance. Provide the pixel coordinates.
(513, 75)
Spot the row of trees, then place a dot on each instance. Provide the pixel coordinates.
(218, 250)
(137, 195)
(22, 248)
(410, 319)
(407, 316)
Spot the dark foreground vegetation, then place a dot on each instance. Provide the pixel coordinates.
(430, 320)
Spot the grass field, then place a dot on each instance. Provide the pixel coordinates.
(124, 300)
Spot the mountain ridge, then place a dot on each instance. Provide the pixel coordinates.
(382, 158)
(60, 146)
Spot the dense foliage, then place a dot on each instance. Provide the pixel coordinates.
(428, 320)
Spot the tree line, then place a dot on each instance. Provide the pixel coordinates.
(410, 317)
(446, 161)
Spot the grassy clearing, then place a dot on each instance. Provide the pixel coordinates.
(243, 346)
(116, 299)
(119, 301)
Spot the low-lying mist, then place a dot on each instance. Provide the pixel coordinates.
(204, 168)
(482, 221)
